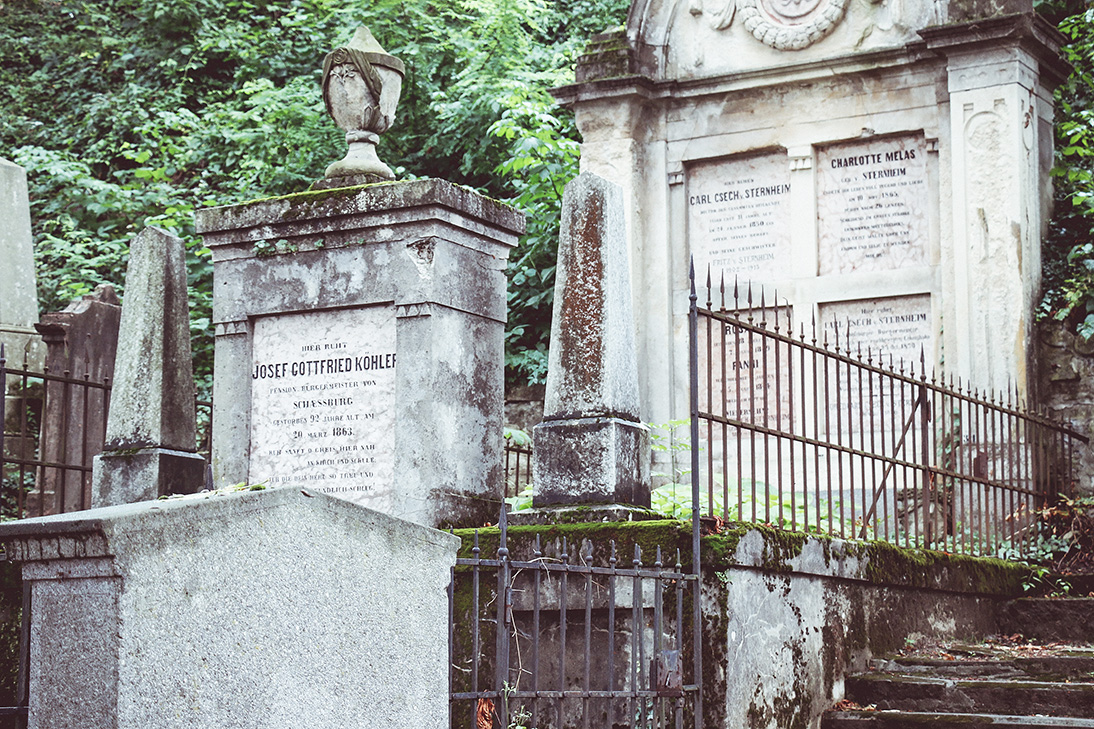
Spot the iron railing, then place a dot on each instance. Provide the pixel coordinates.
(820, 436)
(518, 467)
(555, 641)
(53, 425)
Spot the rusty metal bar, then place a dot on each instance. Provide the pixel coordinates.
(944, 445)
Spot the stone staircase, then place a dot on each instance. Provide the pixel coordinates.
(1003, 682)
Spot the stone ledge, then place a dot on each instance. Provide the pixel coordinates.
(372, 198)
(763, 549)
(93, 533)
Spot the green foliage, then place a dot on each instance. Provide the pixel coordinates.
(139, 112)
(1068, 256)
(543, 157)
(1042, 582)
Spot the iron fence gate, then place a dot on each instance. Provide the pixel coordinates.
(814, 435)
(552, 640)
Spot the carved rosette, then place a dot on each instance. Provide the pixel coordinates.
(790, 25)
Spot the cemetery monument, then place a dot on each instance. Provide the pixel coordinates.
(884, 166)
(591, 447)
(18, 290)
(151, 440)
(359, 326)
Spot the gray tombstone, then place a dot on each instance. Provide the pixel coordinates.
(151, 431)
(81, 342)
(591, 446)
(359, 345)
(18, 291)
(249, 610)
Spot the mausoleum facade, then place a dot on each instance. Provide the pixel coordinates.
(883, 165)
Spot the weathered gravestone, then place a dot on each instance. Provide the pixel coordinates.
(18, 292)
(250, 610)
(81, 343)
(884, 165)
(359, 331)
(151, 429)
(591, 446)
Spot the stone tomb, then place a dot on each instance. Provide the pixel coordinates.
(18, 292)
(359, 346)
(249, 610)
(884, 166)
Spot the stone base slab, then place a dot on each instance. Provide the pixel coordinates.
(125, 477)
(590, 461)
(581, 514)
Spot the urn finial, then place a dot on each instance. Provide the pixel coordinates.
(361, 86)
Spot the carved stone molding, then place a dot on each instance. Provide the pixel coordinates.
(791, 25)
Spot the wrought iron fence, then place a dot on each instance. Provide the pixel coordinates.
(821, 436)
(555, 641)
(518, 467)
(53, 425)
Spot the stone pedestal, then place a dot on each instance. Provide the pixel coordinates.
(359, 345)
(585, 460)
(146, 474)
(249, 610)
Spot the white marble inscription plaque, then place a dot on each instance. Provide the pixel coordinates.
(872, 205)
(323, 403)
(739, 217)
(896, 330)
(898, 327)
(751, 383)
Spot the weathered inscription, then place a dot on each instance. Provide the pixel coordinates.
(872, 204)
(738, 216)
(750, 382)
(323, 402)
(891, 332)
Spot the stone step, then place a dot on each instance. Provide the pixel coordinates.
(919, 720)
(1067, 619)
(1073, 667)
(917, 693)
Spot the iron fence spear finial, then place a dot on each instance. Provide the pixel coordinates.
(775, 306)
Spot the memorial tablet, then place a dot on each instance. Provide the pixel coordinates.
(897, 330)
(739, 216)
(899, 327)
(753, 383)
(872, 204)
(323, 402)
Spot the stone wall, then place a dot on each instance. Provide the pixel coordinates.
(786, 616)
(1066, 388)
(790, 616)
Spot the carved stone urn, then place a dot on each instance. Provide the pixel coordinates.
(361, 86)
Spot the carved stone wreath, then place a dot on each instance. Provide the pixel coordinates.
(790, 25)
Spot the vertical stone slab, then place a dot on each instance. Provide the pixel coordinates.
(359, 346)
(81, 341)
(592, 446)
(18, 289)
(252, 610)
(151, 432)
